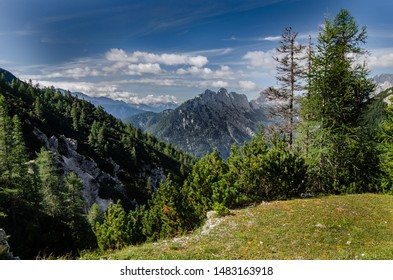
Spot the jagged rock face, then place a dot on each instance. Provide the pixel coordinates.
(85, 168)
(211, 120)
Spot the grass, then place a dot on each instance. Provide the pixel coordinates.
(332, 227)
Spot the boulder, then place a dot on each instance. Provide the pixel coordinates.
(5, 253)
(4, 246)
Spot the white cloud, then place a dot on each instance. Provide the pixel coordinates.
(141, 68)
(271, 38)
(119, 55)
(153, 99)
(76, 73)
(150, 81)
(224, 72)
(211, 84)
(220, 84)
(261, 59)
(382, 58)
(248, 85)
(109, 90)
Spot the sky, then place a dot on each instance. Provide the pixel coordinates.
(157, 51)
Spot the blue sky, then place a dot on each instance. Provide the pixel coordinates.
(155, 51)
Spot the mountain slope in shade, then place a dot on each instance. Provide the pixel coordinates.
(211, 120)
(118, 164)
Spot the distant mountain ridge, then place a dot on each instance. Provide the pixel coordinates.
(120, 109)
(210, 120)
(383, 81)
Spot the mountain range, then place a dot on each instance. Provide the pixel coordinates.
(121, 109)
(210, 120)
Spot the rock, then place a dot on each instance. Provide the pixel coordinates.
(70, 160)
(4, 247)
(5, 253)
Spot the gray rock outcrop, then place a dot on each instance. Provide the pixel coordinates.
(5, 253)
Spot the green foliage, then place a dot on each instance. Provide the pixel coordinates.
(119, 228)
(162, 219)
(36, 200)
(258, 172)
(95, 215)
(285, 171)
(221, 209)
(203, 186)
(50, 183)
(113, 232)
(332, 138)
(385, 136)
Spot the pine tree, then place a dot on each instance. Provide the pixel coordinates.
(38, 109)
(95, 215)
(338, 89)
(5, 142)
(290, 73)
(206, 174)
(18, 152)
(113, 233)
(50, 183)
(74, 200)
(164, 217)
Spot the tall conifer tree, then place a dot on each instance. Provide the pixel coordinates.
(338, 89)
(290, 73)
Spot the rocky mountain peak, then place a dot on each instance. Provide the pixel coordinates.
(222, 98)
(383, 81)
(211, 120)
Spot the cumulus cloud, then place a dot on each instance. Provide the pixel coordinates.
(76, 73)
(219, 84)
(211, 84)
(248, 85)
(380, 59)
(260, 59)
(119, 55)
(141, 68)
(224, 72)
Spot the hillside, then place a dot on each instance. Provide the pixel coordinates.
(332, 227)
(210, 120)
(58, 135)
(77, 130)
